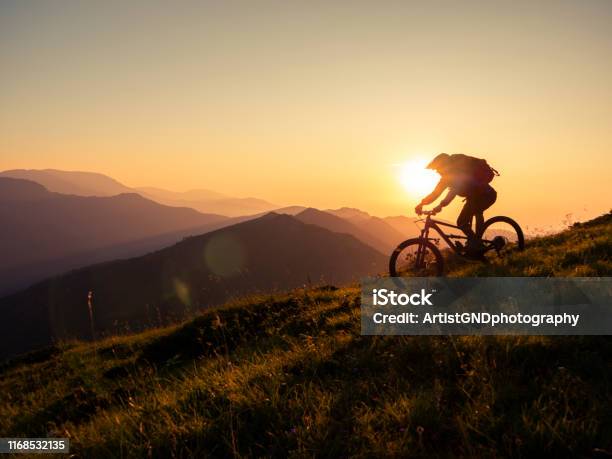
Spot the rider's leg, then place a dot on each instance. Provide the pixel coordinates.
(485, 199)
(474, 207)
(464, 220)
(480, 201)
(473, 248)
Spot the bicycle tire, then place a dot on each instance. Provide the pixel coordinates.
(503, 219)
(416, 241)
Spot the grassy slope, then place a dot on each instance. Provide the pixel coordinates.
(292, 375)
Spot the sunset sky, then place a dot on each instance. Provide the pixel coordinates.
(315, 102)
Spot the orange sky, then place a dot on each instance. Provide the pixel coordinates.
(314, 103)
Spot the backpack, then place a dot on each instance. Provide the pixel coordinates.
(483, 173)
(478, 169)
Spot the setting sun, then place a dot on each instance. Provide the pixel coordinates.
(416, 179)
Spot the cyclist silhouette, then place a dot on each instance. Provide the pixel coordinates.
(467, 177)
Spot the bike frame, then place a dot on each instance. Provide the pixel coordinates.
(430, 224)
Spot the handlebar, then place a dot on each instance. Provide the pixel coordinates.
(428, 212)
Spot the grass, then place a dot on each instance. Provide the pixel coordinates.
(583, 250)
(290, 375)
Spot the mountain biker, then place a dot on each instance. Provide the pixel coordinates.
(468, 177)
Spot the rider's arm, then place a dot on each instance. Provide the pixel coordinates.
(448, 198)
(431, 197)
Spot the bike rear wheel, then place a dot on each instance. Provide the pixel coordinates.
(416, 258)
(502, 235)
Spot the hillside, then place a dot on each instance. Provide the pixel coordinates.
(388, 233)
(45, 233)
(271, 253)
(291, 375)
(340, 225)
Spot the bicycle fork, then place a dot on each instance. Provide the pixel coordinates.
(420, 255)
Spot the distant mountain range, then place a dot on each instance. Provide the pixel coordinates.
(86, 218)
(94, 184)
(272, 253)
(401, 224)
(390, 231)
(360, 228)
(44, 233)
(71, 182)
(208, 201)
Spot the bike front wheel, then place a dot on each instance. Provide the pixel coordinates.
(416, 258)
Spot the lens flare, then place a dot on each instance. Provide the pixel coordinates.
(224, 255)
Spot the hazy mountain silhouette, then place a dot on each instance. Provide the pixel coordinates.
(71, 182)
(350, 213)
(271, 253)
(191, 195)
(290, 210)
(44, 233)
(95, 184)
(405, 225)
(340, 225)
(208, 201)
(376, 227)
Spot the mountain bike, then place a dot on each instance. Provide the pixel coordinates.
(421, 256)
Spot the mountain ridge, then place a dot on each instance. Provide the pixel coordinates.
(40, 226)
(82, 183)
(340, 225)
(79, 183)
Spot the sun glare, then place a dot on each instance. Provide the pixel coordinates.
(416, 179)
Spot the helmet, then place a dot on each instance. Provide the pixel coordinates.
(439, 161)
